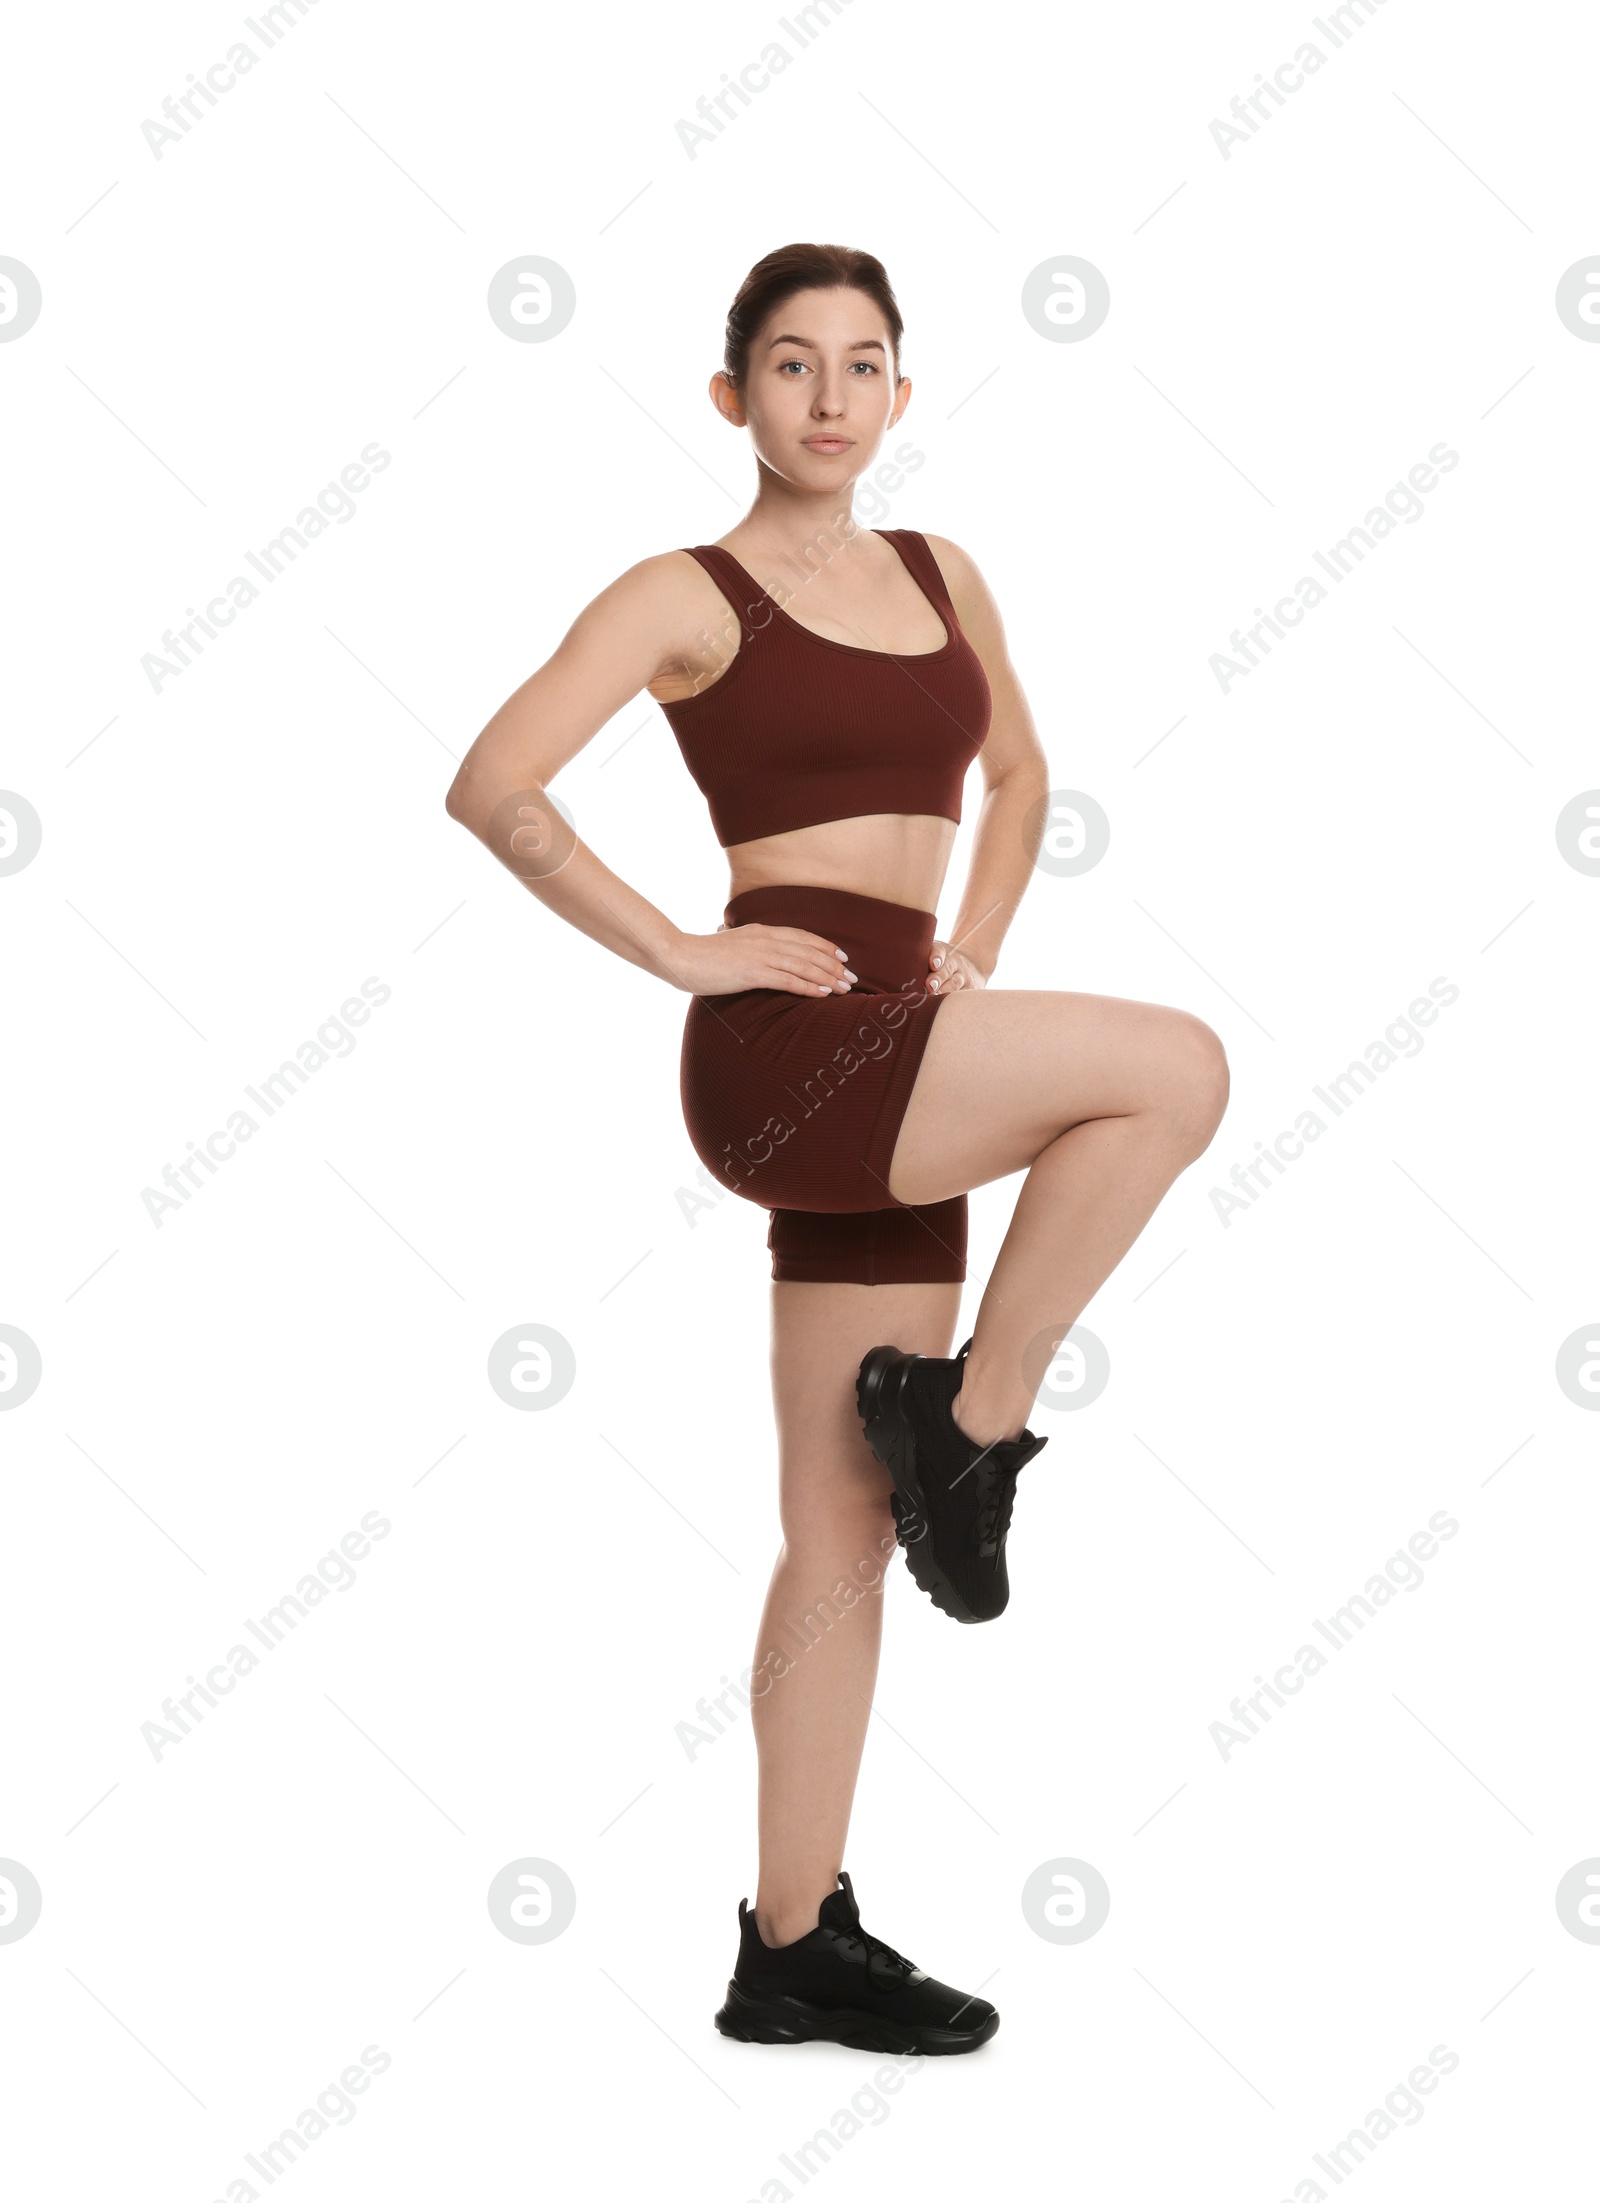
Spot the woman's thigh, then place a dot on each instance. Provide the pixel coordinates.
(1007, 1071)
(827, 1471)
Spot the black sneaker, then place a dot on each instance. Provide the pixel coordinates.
(840, 1984)
(952, 1499)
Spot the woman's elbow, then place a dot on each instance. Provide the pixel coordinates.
(460, 796)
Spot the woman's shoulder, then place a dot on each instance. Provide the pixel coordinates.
(658, 571)
(969, 592)
(952, 558)
(664, 586)
(673, 598)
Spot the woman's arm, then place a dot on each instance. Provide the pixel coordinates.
(635, 630)
(1016, 776)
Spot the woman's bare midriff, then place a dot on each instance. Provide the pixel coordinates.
(896, 858)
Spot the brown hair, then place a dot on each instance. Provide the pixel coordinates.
(804, 268)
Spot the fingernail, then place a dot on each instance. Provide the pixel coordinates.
(849, 974)
(841, 956)
(938, 960)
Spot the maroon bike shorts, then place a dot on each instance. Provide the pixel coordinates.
(795, 1101)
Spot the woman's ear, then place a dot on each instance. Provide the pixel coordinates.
(726, 399)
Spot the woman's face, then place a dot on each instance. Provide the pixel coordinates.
(819, 388)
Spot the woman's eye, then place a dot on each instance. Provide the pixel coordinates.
(871, 366)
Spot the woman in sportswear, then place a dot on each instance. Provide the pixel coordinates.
(829, 686)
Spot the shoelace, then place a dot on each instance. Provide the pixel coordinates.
(997, 1491)
(1005, 1507)
(870, 1943)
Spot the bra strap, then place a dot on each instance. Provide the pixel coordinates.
(736, 585)
(924, 567)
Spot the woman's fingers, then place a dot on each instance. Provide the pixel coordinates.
(809, 955)
(810, 975)
(799, 962)
(794, 935)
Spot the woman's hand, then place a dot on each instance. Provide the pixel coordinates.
(952, 971)
(735, 957)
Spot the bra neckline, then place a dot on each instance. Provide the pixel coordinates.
(947, 619)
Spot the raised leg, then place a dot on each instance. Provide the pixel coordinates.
(816, 1656)
(1103, 1102)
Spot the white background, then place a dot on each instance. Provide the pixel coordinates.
(1291, 1396)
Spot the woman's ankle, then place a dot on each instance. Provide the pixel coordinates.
(787, 1921)
(981, 1420)
(779, 1926)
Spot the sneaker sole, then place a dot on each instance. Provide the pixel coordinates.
(786, 2019)
(878, 1388)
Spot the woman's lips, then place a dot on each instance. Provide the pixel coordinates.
(827, 443)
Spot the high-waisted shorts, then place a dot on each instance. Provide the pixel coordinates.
(795, 1101)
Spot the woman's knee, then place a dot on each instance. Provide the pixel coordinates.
(1198, 1081)
(831, 1523)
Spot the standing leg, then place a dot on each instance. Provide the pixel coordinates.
(816, 1656)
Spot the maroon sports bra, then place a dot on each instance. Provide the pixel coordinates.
(801, 729)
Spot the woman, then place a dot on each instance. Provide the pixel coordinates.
(849, 1072)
